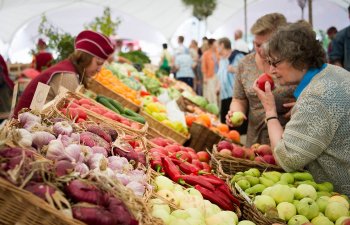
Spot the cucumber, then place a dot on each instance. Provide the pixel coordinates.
(135, 118)
(107, 104)
(130, 112)
(116, 105)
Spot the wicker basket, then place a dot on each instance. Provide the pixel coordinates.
(228, 165)
(60, 102)
(202, 137)
(166, 131)
(18, 206)
(98, 88)
(250, 212)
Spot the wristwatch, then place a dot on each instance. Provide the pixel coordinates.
(270, 118)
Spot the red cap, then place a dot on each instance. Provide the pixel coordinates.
(41, 42)
(94, 43)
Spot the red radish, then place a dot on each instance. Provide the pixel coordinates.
(203, 156)
(126, 122)
(81, 113)
(85, 101)
(263, 79)
(72, 105)
(80, 120)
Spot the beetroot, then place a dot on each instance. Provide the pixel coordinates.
(80, 191)
(100, 132)
(63, 167)
(40, 189)
(95, 215)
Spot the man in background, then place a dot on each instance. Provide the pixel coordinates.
(42, 59)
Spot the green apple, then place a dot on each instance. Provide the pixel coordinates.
(287, 177)
(286, 210)
(321, 220)
(322, 203)
(246, 222)
(237, 119)
(295, 202)
(341, 219)
(163, 183)
(308, 208)
(325, 186)
(323, 193)
(340, 199)
(161, 214)
(244, 184)
(298, 220)
(264, 202)
(335, 210)
(252, 172)
(305, 191)
(282, 193)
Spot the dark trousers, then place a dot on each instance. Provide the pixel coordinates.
(187, 80)
(225, 107)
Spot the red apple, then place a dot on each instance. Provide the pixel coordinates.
(346, 222)
(269, 159)
(259, 159)
(206, 167)
(225, 152)
(224, 145)
(238, 152)
(249, 154)
(264, 150)
(263, 79)
(203, 156)
(197, 163)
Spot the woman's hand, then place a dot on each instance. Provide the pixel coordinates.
(228, 118)
(267, 99)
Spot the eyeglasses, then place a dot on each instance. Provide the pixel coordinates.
(274, 63)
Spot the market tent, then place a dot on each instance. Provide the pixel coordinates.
(151, 21)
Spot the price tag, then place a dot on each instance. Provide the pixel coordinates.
(40, 95)
(245, 196)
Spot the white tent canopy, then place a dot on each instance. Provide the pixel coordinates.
(151, 21)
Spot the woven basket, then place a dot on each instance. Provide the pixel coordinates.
(228, 165)
(250, 212)
(166, 131)
(60, 102)
(18, 206)
(98, 88)
(202, 137)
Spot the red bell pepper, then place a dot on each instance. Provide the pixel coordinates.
(170, 169)
(227, 192)
(144, 93)
(214, 198)
(196, 180)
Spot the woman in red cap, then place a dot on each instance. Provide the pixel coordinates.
(6, 88)
(43, 59)
(91, 51)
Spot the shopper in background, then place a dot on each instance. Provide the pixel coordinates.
(181, 47)
(193, 49)
(199, 82)
(43, 59)
(239, 43)
(226, 79)
(210, 65)
(184, 67)
(331, 32)
(165, 59)
(91, 51)
(317, 136)
(6, 88)
(244, 98)
(340, 54)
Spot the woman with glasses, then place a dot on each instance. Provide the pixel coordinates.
(317, 137)
(244, 97)
(91, 51)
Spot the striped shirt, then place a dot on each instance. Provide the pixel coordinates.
(226, 78)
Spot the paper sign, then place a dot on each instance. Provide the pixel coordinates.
(245, 196)
(40, 95)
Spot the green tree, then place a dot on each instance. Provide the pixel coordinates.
(59, 41)
(202, 9)
(105, 24)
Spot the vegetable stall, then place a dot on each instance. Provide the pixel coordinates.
(137, 147)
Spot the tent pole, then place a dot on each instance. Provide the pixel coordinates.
(245, 21)
(310, 11)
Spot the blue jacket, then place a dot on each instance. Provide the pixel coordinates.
(341, 48)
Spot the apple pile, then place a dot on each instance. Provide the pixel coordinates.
(294, 197)
(193, 208)
(258, 153)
